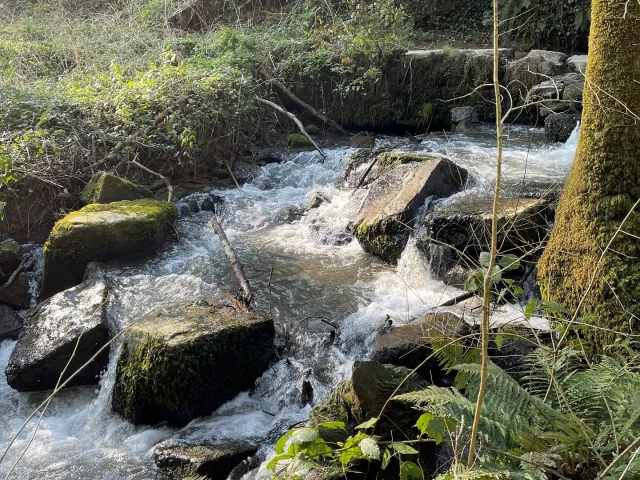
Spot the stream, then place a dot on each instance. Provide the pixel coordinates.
(308, 267)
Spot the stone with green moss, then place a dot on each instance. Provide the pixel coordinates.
(106, 188)
(297, 140)
(404, 182)
(184, 362)
(102, 232)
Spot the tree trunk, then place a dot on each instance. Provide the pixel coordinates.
(592, 264)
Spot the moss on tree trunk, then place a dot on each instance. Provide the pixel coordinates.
(604, 183)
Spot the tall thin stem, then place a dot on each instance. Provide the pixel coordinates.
(486, 298)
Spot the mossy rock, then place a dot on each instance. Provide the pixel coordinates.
(363, 397)
(102, 232)
(297, 140)
(404, 182)
(107, 188)
(185, 361)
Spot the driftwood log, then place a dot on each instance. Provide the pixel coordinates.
(246, 295)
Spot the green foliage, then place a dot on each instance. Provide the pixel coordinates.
(302, 450)
(569, 414)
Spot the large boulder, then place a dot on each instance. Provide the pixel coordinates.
(61, 335)
(411, 344)
(18, 293)
(9, 258)
(185, 361)
(107, 188)
(101, 233)
(456, 234)
(10, 323)
(403, 183)
(213, 462)
(558, 127)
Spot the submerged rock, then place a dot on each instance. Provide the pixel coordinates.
(163, 194)
(464, 118)
(9, 258)
(18, 294)
(106, 188)
(363, 140)
(459, 232)
(214, 462)
(210, 201)
(558, 127)
(101, 233)
(317, 199)
(404, 182)
(71, 320)
(10, 323)
(409, 345)
(185, 361)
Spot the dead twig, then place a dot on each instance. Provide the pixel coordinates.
(305, 106)
(160, 176)
(296, 121)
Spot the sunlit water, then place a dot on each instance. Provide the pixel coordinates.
(298, 269)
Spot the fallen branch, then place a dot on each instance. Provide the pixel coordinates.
(14, 275)
(295, 120)
(458, 299)
(291, 96)
(160, 176)
(246, 295)
(233, 177)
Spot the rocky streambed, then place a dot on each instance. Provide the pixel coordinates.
(191, 372)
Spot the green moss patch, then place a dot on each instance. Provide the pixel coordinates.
(102, 232)
(183, 362)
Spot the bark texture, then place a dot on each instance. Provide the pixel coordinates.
(604, 184)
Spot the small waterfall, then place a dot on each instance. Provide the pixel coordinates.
(572, 141)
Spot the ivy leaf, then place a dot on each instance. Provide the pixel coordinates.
(410, 471)
(423, 422)
(332, 425)
(303, 435)
(554, 307)
(386, 458)
(499, 339)
(403, 448)
(368, 424)
(485, 259)
(370, 449)
(530, 309)
(509, 262)
(281, 443)
(273, 463)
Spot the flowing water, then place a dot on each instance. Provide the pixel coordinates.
(299, 269)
